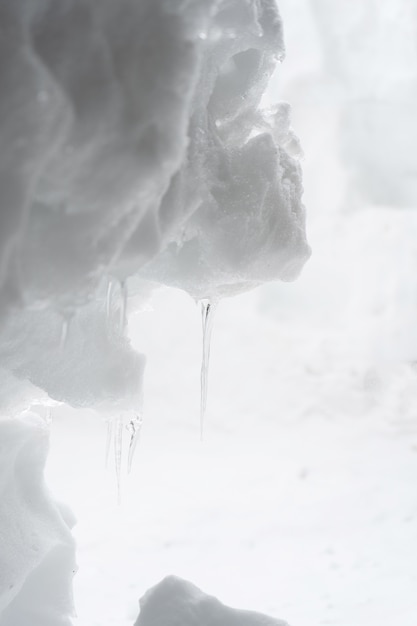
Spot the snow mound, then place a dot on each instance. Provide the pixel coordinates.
(175, 601)
(133, 144)
(37, 548)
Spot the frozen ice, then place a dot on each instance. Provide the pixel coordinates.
(109, 295)
(176, 601)
(369, 54)
(123, 305)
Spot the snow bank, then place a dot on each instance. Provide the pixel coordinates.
(176, 601)
(37, 552)
(239, 187)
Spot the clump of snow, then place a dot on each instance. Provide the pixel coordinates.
(37, 548)
(95, 366)
(239, 188)
(176, 601)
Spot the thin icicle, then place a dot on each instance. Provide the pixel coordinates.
(123, 305)
(135, 427)
(64, 331)
(46, 415)
(207, 312)
(109, 435)
(109, 297)
(118, 449)
(123, 302)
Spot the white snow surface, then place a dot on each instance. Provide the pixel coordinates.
(300, 503)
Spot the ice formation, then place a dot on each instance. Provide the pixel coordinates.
(175, 601)
(133, 147)
(133, 143)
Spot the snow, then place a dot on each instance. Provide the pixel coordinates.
(178, 601)
(300, 503)
(37, 548)
(301, 506)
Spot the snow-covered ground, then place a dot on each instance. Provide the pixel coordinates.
(301, 501)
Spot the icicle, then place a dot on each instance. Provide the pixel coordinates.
(118, 449)
(109, 435)
(109, 296)
(48, 417)
(207, 312)
(64, 331)
(135, 427)
(123, 305)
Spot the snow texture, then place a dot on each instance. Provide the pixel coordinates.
(175, 601)
(132, 132)
(37, 555)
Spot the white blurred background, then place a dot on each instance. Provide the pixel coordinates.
(301, 502)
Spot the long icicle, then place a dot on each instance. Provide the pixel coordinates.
(135, 427)
(118, 449)
(207, 312)
(123, 305)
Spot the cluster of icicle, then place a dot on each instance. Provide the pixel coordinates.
(177, 601)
